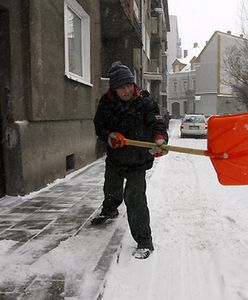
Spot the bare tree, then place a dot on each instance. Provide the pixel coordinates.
(236, 61)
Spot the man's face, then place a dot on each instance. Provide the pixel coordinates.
(125, 92)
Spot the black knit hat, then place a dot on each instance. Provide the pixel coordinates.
(119, 75)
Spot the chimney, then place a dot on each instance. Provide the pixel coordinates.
(229, 32)
(195, 45)
(185, 53)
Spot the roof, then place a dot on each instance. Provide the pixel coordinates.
(219, 33)
(196, 52)
(186, 61)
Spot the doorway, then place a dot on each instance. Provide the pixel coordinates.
(4, 83)
(175, 107)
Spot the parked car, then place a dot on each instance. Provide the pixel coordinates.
(194, 125)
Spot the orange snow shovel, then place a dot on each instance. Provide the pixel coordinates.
(227, 147)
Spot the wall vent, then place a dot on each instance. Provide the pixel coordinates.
(70, 162)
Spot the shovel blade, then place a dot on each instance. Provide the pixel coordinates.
(229, 134)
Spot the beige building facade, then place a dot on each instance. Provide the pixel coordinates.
(198, 84)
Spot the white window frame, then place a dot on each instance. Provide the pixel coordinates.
(74, 6)
(136, 10)
(148, 46)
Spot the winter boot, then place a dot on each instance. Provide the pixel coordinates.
(142, 253)
(103, 217)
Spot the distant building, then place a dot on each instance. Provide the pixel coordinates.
(213, 96)
(182, 83)
(196, 82)
(156, 26)
(174, 43)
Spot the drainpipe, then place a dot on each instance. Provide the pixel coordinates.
(141, 50)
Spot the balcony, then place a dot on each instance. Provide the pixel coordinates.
(154, 66)
(156, 29)
(153, 76)
(154, 71)
(121, 18)
(159, 8)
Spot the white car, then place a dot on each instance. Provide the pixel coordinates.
(194, 125)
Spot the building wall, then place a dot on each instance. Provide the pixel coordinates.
(51, 114)
(207, 105)
(206, 74)
(225, 41)
(47, 117)
(12, 89)
(46, 145)
(174, 43)
(181, 96)
(228, 104)
(212, 78)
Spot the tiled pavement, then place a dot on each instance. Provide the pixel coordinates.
(39, 222)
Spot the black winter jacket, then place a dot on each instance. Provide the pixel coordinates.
(137, 119)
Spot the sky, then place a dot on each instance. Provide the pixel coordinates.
(199, 19)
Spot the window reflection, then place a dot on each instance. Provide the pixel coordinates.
(74, 43)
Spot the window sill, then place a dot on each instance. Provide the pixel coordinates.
(78, 79)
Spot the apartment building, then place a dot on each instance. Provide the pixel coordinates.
(213, 95)
(47, 90)
(182, 83)
(154, 58)
(54, 61)
(174, 43)
(198, 83)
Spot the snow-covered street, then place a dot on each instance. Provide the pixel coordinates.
(200, 232)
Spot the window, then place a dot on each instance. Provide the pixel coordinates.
(70, 162)
(194, 85)
(136, 10)
(185, 85)
(148, 46)
(185, 106)
(77, 42)
(175, 87)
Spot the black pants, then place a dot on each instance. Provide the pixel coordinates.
(134, 195)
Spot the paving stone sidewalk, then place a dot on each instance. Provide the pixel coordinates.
(39, 222)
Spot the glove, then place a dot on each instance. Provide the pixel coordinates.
(157, 151)
(114, 140)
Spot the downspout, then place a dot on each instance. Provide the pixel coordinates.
(141, 50)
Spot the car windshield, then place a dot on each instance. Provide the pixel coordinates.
(194, 119)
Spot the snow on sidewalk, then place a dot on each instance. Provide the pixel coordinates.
(48, 248)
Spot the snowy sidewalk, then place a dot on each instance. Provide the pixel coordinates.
(48, 249)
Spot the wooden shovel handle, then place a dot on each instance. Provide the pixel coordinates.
(127, 142)
(166, 147)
